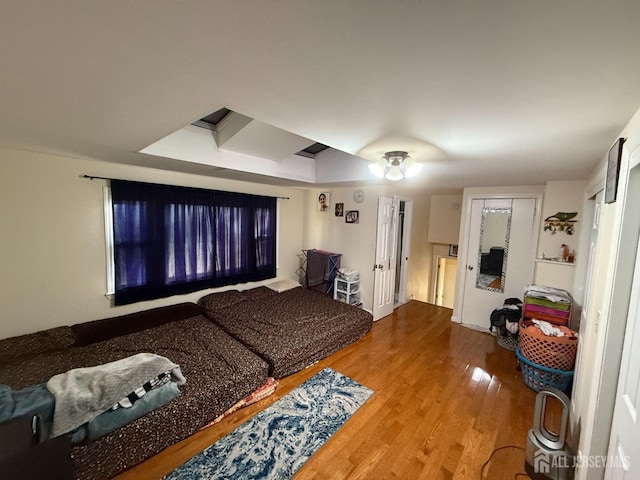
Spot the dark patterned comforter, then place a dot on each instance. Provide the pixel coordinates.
(219, 372)
(290, 330)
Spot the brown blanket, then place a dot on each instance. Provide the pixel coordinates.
(220, 372)
(290, 330)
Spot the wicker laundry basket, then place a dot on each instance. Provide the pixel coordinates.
(558, 353)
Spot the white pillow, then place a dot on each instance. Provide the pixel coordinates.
(283, 285)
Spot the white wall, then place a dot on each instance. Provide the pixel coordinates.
(337, 166)
(444, 218)
(355, 241)
(52, 237)
(419, 284)
(560, 196)
(556, 275)
(53, 265)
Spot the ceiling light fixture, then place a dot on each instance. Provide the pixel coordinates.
(395, 166)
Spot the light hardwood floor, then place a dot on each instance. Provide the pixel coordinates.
(445, 398)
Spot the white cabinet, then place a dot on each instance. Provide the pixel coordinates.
(347, 290)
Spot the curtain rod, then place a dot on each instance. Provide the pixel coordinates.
(93, 177)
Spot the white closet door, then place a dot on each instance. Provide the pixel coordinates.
(385, 261)
(478, 302)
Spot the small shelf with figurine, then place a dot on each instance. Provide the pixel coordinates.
(566, 227)
(561, 222)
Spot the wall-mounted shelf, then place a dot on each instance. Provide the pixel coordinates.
(555, 262)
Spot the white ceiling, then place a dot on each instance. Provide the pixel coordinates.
(510, 91)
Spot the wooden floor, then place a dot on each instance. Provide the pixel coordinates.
(445, 398)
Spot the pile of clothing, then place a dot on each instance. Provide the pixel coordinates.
(505, 322)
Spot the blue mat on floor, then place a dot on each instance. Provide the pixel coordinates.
(276, 442)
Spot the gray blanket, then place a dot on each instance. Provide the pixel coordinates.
(82, 394)
(317, 268)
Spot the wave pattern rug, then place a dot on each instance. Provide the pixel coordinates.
(276, 442)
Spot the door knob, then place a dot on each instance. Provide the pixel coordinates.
(470, 267)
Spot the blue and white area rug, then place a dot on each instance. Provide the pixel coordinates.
(276, 442)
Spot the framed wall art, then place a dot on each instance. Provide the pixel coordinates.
(353, 216)
(323, 202)
(613, 171)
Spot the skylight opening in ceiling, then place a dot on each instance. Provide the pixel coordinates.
(312, 151)
(212, 120)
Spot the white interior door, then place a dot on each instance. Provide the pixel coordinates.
(385, 261)
(624, 443)
(478, 300)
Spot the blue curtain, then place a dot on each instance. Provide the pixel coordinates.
(173, 240)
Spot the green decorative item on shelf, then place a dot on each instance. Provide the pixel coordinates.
(561, 216)
(561, 221)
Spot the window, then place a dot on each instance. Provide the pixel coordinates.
(173, 240)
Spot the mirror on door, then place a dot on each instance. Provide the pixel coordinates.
(495, 227)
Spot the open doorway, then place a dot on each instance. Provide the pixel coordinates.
(393, 235)
(402, 251)
(443, 275)
(445, 284)
(396, 291)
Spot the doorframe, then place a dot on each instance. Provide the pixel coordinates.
(626, 244)
(406, 248)
(468, 196)
(435, 273)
